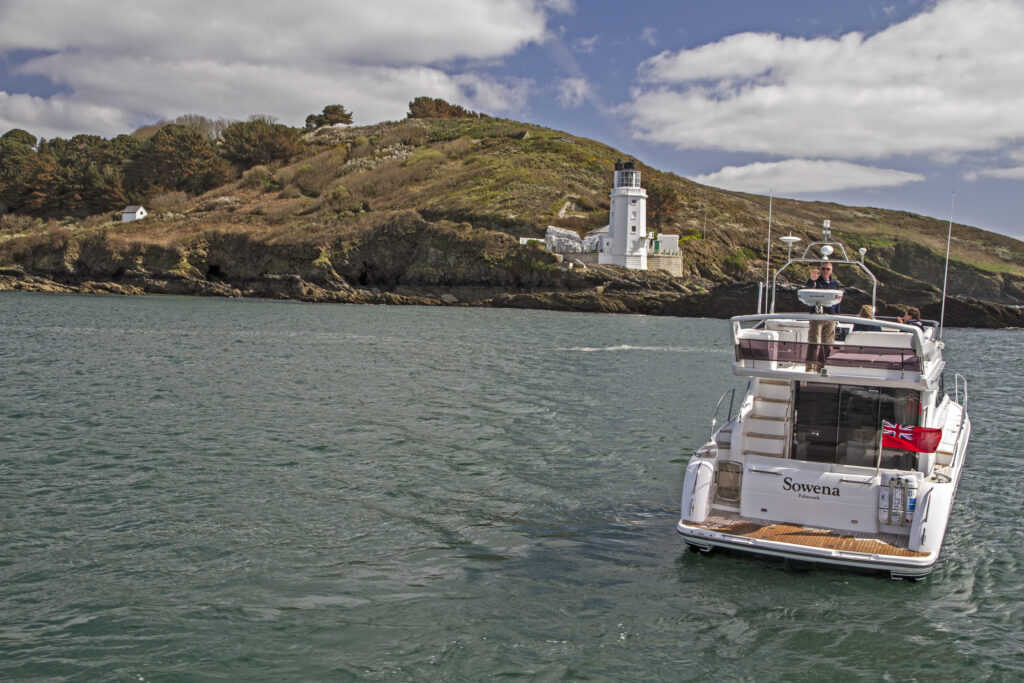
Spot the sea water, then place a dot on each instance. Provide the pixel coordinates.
(213, 489)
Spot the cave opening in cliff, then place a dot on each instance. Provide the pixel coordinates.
(213, 272)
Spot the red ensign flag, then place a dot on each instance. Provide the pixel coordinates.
(917, 439)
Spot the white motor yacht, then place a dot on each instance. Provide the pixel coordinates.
(844, 454)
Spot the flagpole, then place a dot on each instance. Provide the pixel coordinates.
(878, 460)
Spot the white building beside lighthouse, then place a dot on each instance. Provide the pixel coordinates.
(626, 241)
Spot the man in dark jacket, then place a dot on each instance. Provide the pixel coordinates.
(821, 333)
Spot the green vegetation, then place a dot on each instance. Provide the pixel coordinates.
(738, 262)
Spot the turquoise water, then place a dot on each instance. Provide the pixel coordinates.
(210, 489)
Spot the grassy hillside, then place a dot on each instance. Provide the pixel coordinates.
(439, 203)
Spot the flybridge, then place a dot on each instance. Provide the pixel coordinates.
(827, 247)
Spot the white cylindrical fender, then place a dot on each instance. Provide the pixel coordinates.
(696, 502)
(931, 516)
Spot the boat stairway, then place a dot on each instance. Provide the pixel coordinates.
(766, 428)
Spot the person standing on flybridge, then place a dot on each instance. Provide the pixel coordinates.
(821, 332)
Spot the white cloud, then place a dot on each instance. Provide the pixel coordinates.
(123, 66)
(47, 117)
(572, 92)
(393, 31)
(798, 176)
(586, 45)
(649, 35)
(492, 96)
(1014, 173)
(563, 6)
(943, 83)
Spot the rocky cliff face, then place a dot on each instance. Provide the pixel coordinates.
(408, 260)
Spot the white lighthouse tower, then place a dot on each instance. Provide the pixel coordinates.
(627, 221)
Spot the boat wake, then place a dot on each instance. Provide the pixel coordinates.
(630, 347)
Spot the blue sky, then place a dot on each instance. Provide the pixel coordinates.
(889, 103)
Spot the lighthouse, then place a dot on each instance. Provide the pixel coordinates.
(626, 244)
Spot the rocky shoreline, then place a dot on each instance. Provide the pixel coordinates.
(720, 302)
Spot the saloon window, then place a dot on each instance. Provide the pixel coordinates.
(841, 424)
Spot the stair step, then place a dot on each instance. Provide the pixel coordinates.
(754, 435)
(766, 399)
(784, 382)
(767, 417)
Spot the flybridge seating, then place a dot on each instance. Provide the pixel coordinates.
(778, 343)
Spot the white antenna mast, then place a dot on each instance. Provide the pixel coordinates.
(768, 259)
(945, 276)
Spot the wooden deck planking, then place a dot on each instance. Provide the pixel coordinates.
(834, 539)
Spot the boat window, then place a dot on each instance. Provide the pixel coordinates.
(838, 423)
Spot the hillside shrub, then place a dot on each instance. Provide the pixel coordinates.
(339, 200)
(173, 202)
(12, 224)
(360, 148)
(259, 178)
(458, 148)
(317, 174)
(409, 133)
(735, 263)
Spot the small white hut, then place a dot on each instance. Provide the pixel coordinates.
(133, 213)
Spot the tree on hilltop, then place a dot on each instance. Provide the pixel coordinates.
(332, 114)
(436, 108)
(211, 128)
(178, 157)
(259, 141)
(19, 136)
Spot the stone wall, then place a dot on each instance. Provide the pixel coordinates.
(673, 265)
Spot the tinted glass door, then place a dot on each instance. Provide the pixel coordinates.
(841, 423)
